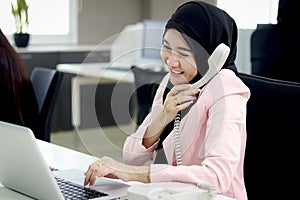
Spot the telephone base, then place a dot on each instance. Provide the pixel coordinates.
(165, 191)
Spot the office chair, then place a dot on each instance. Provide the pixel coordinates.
(274, 52)
(273, 123)
(146, 83)
(46, 83)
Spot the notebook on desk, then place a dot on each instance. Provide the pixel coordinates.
(24, 169)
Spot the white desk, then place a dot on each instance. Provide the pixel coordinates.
(61, 158)
(98, 71)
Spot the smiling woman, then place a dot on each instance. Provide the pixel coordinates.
(44, 26)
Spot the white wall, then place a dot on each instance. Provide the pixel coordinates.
(243, 61)
(100, 19)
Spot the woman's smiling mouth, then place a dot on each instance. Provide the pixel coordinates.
(176, 72)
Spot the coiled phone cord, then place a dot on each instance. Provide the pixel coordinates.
(212, 194)
(176, 139)
(211, 190)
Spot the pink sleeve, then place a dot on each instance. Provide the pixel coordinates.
(133, 151)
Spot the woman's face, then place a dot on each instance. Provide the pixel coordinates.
(178, 57)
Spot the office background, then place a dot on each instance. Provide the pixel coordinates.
(94, 26)
(100, 19)
(97, 21)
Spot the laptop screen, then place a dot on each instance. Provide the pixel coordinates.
(24, 169)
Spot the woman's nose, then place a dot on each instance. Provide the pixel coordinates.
(172, 61)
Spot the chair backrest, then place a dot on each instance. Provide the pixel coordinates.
(46, 83)
(273, 122)
(146, 83)
(274, 52)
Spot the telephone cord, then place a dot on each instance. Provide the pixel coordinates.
(176, 139)
(212, 194)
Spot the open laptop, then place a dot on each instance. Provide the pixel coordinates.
(24, 169)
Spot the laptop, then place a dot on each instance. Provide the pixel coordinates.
(24, 169)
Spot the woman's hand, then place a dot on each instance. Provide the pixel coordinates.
(110, 168)
(179, 98)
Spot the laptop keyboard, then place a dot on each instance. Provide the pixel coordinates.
(73, 191)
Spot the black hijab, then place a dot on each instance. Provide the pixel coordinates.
(207, 26)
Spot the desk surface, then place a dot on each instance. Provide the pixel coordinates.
(102, 70)
(62, 48)
(63, 158)
(60, 158)
(98, 70)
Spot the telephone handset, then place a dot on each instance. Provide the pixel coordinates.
(176, 190)
(215, 63)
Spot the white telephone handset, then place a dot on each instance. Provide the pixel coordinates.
(175, 190)
(215, 63)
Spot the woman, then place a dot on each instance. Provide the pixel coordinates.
(18, 104)
(213, 118)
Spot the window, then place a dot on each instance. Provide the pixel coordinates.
(249, 13)
(50, 22)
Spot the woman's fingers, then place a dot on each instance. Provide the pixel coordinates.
(105, 167)
(181, 94)
(96, 169)
(184, 105)
(177, 88)
(184, 99)
(89, 176)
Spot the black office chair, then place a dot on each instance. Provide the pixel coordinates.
(275, 52)
(273, 125)
(146, 83)
(46, 83)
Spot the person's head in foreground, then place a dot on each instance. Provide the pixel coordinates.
(210, 138)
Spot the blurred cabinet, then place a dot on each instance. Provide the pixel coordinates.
(32, 60)
(43, 57)
(84, 56)
(104, 102)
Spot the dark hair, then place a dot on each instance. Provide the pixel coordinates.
(14, 85)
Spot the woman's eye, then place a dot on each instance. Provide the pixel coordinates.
(166, 48)
(183, 54)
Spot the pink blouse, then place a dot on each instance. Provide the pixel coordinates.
(212, 138)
